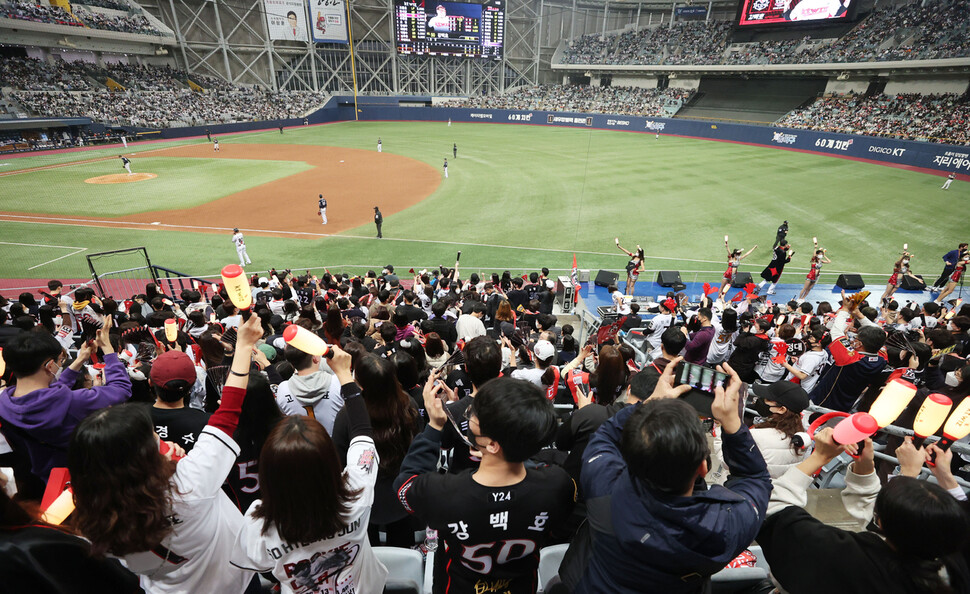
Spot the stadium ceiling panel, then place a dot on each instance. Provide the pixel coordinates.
(229, 39)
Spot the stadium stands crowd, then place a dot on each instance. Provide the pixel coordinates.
(916, 31)
(172, 108)
(934, 118)
(80, 17)
(188, 425)
(581, 98)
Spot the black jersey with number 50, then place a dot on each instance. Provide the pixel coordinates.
(491, 535)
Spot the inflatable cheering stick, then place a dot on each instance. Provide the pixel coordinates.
(892, 401)
(240, 293)
(930, 417)
(299, 337)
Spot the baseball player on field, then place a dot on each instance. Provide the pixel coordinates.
(379, 145)
(445, 166)
(949, 180)
(240, 242)
(215, 145)
(322, 204)
(126, 163)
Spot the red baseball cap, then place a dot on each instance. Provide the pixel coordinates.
(170, 366)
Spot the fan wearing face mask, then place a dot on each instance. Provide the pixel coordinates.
(779, 432)
(39, 413)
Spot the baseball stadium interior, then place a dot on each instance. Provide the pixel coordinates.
(603, 396)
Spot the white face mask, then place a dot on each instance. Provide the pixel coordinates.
(58, 320)
(952, 380)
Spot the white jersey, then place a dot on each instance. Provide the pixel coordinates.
(810, 363)
(343, 562)
(195, 557)
(238, 240)
(721, 347)
(657, 326)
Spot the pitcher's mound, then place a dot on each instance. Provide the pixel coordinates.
(120, 178)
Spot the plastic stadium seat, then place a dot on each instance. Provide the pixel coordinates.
(728, 581)
(405, 571)
(550, 558)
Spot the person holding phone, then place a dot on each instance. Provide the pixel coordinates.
(643, 474)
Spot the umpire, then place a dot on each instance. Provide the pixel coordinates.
(378, 220)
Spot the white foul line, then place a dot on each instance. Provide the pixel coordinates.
(78, 251)
(72, 222)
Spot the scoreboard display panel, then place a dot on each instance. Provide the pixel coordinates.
(774, 12)
(428, 28)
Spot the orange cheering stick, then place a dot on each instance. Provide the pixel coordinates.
(930, 417)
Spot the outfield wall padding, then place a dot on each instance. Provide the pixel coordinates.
(906, 153)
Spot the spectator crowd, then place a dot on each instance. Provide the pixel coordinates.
(582, 99)
(934, 118)
(155, 96)
(335, 414)
(916, 31)
(81, 16)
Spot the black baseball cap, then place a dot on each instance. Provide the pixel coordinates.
(788, 394)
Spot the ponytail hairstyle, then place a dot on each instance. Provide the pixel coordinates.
(393, 419)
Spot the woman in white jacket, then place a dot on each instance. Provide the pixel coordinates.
(779, 435)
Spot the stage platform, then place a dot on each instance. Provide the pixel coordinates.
(594, 296)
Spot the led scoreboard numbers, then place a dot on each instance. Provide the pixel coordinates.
(425, 27)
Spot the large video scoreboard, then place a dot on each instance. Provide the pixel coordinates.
(428, 28)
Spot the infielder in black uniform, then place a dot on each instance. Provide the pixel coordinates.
(493, 520)
(454, 150)
(781, 234)
(378, 220)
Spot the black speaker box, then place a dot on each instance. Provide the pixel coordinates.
(669, 278)
(741, 280)
(850, 281)
(605, 278)
(909, 283)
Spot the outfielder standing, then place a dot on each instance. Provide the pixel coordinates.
(379, 146)
(446, 168)
(454, 150)
(126, 163)
(237, 238)
(949, 180)
(323, 208)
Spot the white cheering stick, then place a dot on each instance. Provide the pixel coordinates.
(236, 284)
(815, 241)
(725, 239)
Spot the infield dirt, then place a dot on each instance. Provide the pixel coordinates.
(353, 181)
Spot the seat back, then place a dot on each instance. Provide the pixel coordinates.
(550, 558)
(405, 569)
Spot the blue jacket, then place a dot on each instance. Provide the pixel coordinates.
(655, 542)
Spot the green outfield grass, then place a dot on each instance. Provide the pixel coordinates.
(531, 187)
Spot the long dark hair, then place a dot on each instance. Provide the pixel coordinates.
(259, 414)
(610, 376)
(333, 326)
(393, 420)
(122, 484)
(303, 491)
(908, 510)
(789, 423)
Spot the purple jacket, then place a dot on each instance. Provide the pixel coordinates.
(696, 349)
(43, 420)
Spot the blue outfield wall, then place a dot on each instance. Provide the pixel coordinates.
(906, 153)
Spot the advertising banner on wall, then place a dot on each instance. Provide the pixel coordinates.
(286, 20)
(328, 21)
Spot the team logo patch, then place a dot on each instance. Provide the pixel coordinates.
(366, 461)
(760, 4)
